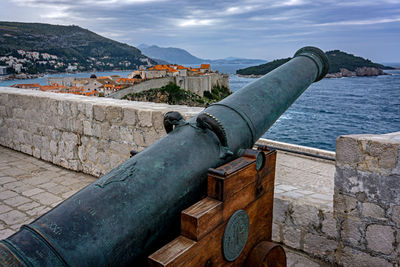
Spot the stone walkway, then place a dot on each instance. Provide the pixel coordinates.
(305, 179)
(30, 187)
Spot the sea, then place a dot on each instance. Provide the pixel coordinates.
(326, 110)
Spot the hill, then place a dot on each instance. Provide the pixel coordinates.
(180, 56)
(170, 54)
(339, 62)
(60, 47)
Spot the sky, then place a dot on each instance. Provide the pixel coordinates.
(217, 28)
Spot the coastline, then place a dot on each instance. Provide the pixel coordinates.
(9, 77)
(359, 72)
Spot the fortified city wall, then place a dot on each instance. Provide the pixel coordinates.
(354, 223)
(195, 84)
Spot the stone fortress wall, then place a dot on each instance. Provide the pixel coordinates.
(356, 224)
(195, 84)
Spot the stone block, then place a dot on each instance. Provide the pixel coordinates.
(74, 165)
(115, 160)
(104, 159)
(32, 192)
(280, 210)
(151, 136)
(76, 126)
(291, 237)
(4, 208)
(344, 204)
(46, 155)
(91, 153)
(396, 216)
(351, 231)
(68, 136)
(129, 116)
(87, 128)
(145, 118)
(158, 121)
(380, 238)
(36, 152)
(26, 149)
(138, 138)
(16, 201)
(305, 215)
(113, 114)
(99, 112)
(329, 225)
(295, 259)
(126, 134)
(356, 258)
(46, 198)
(96, 130)
(28, 206)
(320, 246)
(372, 210)
(348, 151)
(385, 151)
(53, 147)
(276, 232)
(13, 217)
(114, 133)
(88, 110)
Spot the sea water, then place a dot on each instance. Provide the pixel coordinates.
(333, 107)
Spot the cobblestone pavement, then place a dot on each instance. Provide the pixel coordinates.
(30, 187)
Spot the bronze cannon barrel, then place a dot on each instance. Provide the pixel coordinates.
(134, 209)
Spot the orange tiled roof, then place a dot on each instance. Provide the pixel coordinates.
(125, 80)
(90, 93)
(205, 66)
(54, 86)
(25, 85)
(109, 86)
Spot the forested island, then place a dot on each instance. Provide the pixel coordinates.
(341, 64)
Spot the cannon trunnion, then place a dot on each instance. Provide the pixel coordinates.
(135, 208)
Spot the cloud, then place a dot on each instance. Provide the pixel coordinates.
(224, 27)
(196, 22)
(359, 22)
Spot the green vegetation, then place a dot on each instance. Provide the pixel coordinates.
(71, 44)
(263, 68)
(337, 60)
(172, 94)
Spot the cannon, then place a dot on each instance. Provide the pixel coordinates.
(133, 210)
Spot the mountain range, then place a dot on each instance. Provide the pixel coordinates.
(175, 55)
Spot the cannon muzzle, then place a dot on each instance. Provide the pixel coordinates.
(134, 209)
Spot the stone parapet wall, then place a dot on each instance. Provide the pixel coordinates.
(305, 224)
(367, 199)
(87, 134)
